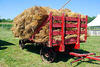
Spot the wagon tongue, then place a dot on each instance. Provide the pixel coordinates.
(83, 56)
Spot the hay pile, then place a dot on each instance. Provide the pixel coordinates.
(25, 24)
(28, 21)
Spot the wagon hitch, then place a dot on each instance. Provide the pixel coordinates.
(83, 56)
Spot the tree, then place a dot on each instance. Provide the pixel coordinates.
(0, 18)
(91, 18)
(5, 20)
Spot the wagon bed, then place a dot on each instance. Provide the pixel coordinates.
(49, 49)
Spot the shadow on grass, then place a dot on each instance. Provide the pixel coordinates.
(3, 44)
(33, 48)
(65, 56)
(60, 56)
(36, 49)
(89, 61)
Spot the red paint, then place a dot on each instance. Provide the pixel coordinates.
(62, 45)
(77, 45)
(86, 28)
(80, 55)
(63, 32)
(50, 30)
(83, 56)
(38, 29)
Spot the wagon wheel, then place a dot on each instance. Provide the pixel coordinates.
(47, 54)
(21, 44)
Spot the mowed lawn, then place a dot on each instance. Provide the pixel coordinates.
(12, 56)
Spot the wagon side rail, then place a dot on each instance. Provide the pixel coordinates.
(63, 32)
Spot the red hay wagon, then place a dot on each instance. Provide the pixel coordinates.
(48, 51)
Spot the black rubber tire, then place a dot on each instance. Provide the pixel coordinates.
(21, 44)
(47, 54)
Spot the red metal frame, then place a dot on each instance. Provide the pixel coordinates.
(61, 44)
(50, 30)
(63, 25)
(86, 28)
(67, 25)
(38, 29)
(83, 56)
(77, 45)
(63, 32)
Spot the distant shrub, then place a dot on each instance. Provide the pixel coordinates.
(6, 26)
(6, 20)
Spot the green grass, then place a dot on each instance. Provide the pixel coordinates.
(12, 56)
(6, 26)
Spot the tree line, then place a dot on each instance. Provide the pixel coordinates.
(91, 18)
(10, 20)
(6, 20)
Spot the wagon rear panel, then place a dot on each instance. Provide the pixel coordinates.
(63, 23)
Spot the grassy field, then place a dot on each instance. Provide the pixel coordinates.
(12, 56)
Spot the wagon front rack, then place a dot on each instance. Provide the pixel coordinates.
(83, 56)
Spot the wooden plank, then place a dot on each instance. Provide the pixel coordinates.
(67, 25)
(62, 45)
(50, 31)
(77, 45)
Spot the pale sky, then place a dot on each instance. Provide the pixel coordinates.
(11, 8)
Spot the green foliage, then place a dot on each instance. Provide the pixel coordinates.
(91, 18)
(0, 19)
(6, 26)
(6, 20)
